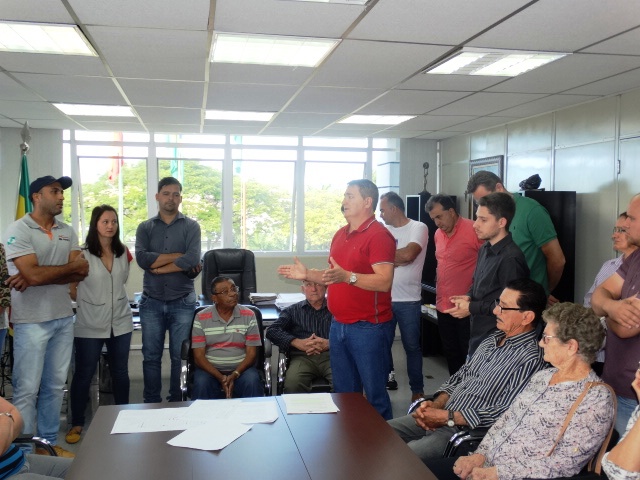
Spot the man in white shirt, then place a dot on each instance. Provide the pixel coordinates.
(411, 246)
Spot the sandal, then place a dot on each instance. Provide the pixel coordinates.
(73, 436)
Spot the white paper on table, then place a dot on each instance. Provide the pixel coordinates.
(235, 410)
(215, 435)
(309, 403)
(156, 420)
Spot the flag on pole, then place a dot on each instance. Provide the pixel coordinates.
(24, 201)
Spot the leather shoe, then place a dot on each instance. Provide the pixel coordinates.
(61, 452)
(73, 436)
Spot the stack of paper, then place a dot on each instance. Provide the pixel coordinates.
(263, 298)
(309, 403)
(286, 299)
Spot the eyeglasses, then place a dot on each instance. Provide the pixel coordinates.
(232, 291)
(546, 338)
(619, 230)
(502, 309)
(311, 285)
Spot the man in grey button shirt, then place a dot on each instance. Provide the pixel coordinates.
(168, 249)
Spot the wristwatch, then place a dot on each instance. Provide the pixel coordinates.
(450, 422)
(353, 278)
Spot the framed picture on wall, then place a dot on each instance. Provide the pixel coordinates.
(491, 164)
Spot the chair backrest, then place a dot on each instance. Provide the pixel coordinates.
(236, 263)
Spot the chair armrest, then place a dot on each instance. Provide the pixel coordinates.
(268, 348)
(414, 405)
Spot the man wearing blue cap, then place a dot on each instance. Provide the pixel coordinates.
(43, 258)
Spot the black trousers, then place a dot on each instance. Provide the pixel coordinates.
(454, 334)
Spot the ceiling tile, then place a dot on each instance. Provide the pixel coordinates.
(53, 64)
(243, 97)
(484, 103)
(441, 135)
(331, 100)
(149, 53)
(30, 110)
(374, 64)
(616, 84)
(550, 25)
(435, 122)
(169, 115)
(185, 14)
(276, 17)
(483, 122)
(546, 104)
(12, 90)
(431, 22)
(66, 89)
(163, 93)
(304, 120)
(42, 11)
(410, 102)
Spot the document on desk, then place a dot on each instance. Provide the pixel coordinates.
(235, 410)
(309, 403)
(214, 435)
(157, 420)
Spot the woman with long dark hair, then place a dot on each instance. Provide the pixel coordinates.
(103, 315)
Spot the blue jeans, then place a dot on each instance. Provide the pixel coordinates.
(626, 406)
(156, 317)
(407, 315)
(42, 352)
(360, 358)
(207, 387)
(87, 357)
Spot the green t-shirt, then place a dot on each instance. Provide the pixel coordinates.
(531, 228)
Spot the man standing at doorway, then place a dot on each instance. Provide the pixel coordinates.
(411, 246)
(359, 297)
(168, 249)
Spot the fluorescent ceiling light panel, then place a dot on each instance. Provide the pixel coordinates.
(490, 62)
(239, 116)
(44, 38)
(271, 49)
(94, 110)
(377, 119)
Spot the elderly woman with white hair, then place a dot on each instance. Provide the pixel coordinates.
(539, 436)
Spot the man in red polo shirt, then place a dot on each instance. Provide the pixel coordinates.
(359, 281)
(457, 247)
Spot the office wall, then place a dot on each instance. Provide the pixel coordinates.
(571, 149)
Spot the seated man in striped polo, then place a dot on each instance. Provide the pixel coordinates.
(302, 330)
(225, 340)
(478, 393)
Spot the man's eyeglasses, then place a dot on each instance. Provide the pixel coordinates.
(502, 309)
(546, 338)
(232, 291)
(619, 230)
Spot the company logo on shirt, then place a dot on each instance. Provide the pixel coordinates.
(64, 238)
(11, 240)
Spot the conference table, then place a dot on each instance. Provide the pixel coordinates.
(355, 443)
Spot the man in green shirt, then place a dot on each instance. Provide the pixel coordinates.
(532, 230)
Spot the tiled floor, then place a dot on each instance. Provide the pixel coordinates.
(434, 370)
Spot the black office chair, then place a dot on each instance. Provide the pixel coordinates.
(189, 366)
(318, 385)
(38, 442)
(236, 263)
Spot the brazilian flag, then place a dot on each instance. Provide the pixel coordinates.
(24, 201)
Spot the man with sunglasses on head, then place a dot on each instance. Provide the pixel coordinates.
(478, 393)
(302, 330)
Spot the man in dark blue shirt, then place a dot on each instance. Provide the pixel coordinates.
(168, 249)
(302, 330)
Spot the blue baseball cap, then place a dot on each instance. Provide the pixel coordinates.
(40, 183)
